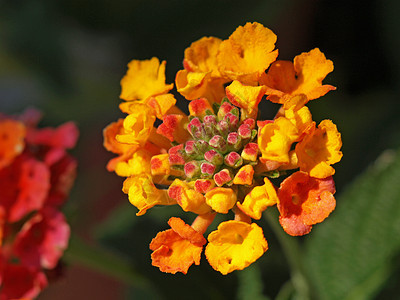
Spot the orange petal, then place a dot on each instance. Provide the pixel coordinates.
(304, 201)
(12, 134)
(304, 76)
(176, 249)
(319, 150)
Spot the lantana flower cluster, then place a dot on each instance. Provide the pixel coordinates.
(222, 158)
(36, 174)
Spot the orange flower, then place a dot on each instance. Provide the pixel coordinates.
(176, 249)
(319, 150)
(219, 158)
(304, 201)
(304, 76)
(201, 77)
(234, 246)
(12, 134)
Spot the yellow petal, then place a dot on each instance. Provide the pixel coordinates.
(201, 56)
(234, 246)
(188, 198)
(247, 53)
(138, 125)
(143, 194)
(144, 78)
(138, 164)
(221, 199)
(276, 138)
(259, 199)
(245, 97)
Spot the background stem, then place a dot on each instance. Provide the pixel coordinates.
(293, 254)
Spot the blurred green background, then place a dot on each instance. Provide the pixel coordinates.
(67, 58)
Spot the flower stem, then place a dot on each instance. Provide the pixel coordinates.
(104, 261)
(292, 251)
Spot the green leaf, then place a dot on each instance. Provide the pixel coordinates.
(348, 257)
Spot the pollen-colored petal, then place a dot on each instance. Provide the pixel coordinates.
(174, 128)
(304, 76)
(304, 201)
(244, 176)
(188, 198)
(245, 97)
(275, 140)
(176, 249)
(144, 78)
(143, 194)
(12, 134)
(234, 246)
(247, 53)
(138, 125)
(200, 107)
(221, 199)
(319, 150)
(259, 199)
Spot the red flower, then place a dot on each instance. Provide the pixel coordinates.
(304, 201)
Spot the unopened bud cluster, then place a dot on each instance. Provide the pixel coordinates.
(221, 143)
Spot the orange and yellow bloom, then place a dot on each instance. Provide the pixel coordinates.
(222, 157)
(36, 174)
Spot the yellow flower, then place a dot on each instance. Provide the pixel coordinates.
(188, 198)
(245, 97)
(143, 194)
(259, 199)
(294, 109)
(137, 125)
(144, 78)
(304, 76)
(234, 246)
(247, 53)
(221, 199)
(275, 140)
(319, 150)
(138, 164)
